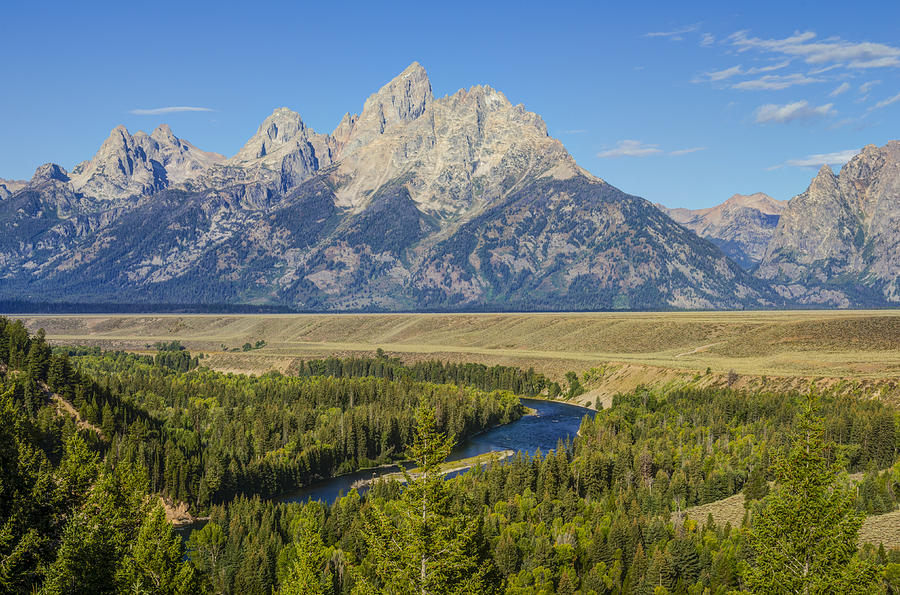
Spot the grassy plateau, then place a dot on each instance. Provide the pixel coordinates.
(856, 351)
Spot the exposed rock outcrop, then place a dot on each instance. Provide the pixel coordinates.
(7, 187)
(140, 164)
(838, 243)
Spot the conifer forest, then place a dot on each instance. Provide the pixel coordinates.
(97, 447)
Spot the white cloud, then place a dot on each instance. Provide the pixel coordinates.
(686, 151)
(864, 90)
(636, 148)
(168, 110)
(721, 75)
(853, 54)
(886, 102)
(708, 39)
(825, 68)
(836, 158)
(630, 148)
(842, 88)
(770, 68)
(675, 35)
(867, 86)
(772, 82)
(799, 110)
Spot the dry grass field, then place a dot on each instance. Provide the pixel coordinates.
(857, 351)
(728, 510)
(882, 528)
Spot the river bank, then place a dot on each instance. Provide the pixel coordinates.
(445, 469)
(545, 424)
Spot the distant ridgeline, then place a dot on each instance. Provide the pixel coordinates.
(56, 307)
(423, 203)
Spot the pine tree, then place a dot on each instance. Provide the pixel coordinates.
(568, 582)
(26, 502)
(78, 469)
(756, 487)
(305, 575)
(96, 539)
(636, 570)
(155, 562)
(506, 555)
(86, 559)
(419, 544)
(207, 550)
(805, 536)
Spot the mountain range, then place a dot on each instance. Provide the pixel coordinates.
(426, 203)
(741, 226)
(838, 243)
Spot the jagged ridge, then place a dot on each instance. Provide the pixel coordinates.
(418, 202)
(837, 243)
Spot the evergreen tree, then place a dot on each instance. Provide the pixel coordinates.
(506, 555)
(155, 563)
(804, 538)
(424, 546)
(305, 575)
(86, 560)
(207, 551)
(95, 541)
(26, 502)
(756, 487)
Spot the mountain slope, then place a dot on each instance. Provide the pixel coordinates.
(742, 226)
(838, 243)
(580, 243)
(418, 202)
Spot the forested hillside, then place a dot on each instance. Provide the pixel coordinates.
(129, 426)
(602, 515)
(89, 440)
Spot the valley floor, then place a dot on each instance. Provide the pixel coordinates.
(852, 351)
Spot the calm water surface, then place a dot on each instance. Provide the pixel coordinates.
(552, 422)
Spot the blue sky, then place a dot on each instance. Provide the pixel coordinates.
(681, 103)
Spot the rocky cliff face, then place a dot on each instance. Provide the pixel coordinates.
(140, 164)
(7, 187)
(838, 243)
(453, 153)
(742, 226)
(418, 202)
(282, 154)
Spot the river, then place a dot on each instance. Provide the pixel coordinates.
(551, 422)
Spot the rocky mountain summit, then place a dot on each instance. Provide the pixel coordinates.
(838, 243)
(742, 226)
(140, 164)
(418, 202)
(7, 187)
